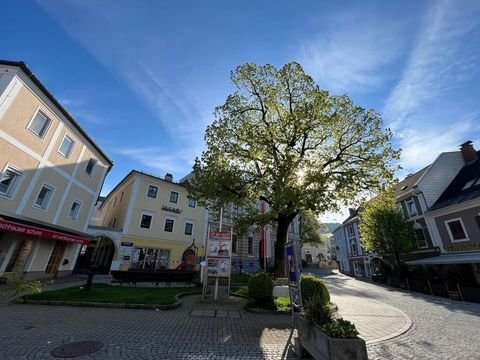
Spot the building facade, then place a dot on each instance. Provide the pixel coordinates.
(147, 222)
(51, 174)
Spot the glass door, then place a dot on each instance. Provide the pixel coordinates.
(55, 258)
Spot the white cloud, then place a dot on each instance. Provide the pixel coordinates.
(353, 54)
(441, 61)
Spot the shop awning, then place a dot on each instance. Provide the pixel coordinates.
(462, 258)
(14, 227)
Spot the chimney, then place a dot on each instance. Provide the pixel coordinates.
(468, 152)
(168, 177)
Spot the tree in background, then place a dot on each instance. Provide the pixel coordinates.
(280, 138)
(310, 228)
(383, 227)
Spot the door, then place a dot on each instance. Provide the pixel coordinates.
(55, 258)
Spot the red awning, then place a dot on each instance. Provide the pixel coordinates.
(14, 227)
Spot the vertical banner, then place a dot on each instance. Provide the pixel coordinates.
(293, 274)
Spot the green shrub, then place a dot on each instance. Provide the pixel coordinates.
(317, 313)
(340, 328)
(283, 304)
(310, 286)
(260, 289)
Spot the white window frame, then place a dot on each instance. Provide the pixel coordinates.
(70, 150)
(148, 191)
(74, 216)
(146, 213)
(447, 222)
(49, 200)
(94, 161)
(424, 238)
(191, 201)
(13, 188)
(46, 128)
(351, 231)
(185, 228)
(354, 253)
(410, 213)
(357, 269)
(165, 223)
(170, 197)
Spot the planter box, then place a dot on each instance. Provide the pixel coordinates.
(322, 347)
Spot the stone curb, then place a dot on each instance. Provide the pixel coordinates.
(172, 306)
(395, 334)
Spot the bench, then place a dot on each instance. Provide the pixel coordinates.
(133, 276)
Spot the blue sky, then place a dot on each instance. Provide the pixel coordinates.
(143, 77)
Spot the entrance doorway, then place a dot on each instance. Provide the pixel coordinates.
(55, 258)
(99, 252)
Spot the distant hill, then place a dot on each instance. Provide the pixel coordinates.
(329, 227)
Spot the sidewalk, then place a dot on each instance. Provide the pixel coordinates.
(374, 320)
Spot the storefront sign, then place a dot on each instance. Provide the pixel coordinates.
(17, 228)
(171, 209)
(466, 247)
(125, 251)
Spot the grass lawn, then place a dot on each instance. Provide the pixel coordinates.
(240, 278)
(239, 291)
(104, 293)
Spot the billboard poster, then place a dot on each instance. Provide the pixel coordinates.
(219, 248)
(218, 267)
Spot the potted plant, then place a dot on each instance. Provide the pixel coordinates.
(324, 335)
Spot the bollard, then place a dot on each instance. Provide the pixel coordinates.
(91, 273)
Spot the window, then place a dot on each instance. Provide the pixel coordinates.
(250, 245)
(121, 196)
(173, 197)
(456, 230)
(152, 191)
(66, 146)
(169, 225)
(421, 239)
(354, 249)
(150, 259)
(188, 228)
(351, 232)
(44, 196)
(411, 208)
(192, 203)
(114, 222)
(9, 179)
(74, 210)
(234, 243)
(39, 124)
(90, 166)
(146, 221)
(114, 201)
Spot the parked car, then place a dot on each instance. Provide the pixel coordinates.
(379, 277)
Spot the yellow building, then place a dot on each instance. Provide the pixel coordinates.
(51, 173)
(146, 222)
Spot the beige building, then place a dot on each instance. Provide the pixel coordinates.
(146, 222)
(51, 173)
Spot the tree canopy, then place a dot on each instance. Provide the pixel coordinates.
(279, 138)
(384, 228)
(310, 228)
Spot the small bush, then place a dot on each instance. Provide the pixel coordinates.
(317, 312)
(340, 328)
(310, 286)
(260, 289)
(283, 304)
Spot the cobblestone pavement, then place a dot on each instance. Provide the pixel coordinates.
(31, 332)
(441, 329)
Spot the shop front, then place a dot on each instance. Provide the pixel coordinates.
(33, 250)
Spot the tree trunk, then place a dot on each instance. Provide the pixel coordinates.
(282, 237)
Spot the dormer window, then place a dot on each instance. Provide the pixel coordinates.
(412, 208)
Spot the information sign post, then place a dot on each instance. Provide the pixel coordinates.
(293, 273)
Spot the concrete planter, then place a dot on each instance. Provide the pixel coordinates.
(322, 347)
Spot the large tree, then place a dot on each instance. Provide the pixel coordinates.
(280, 138)
(384, 228)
